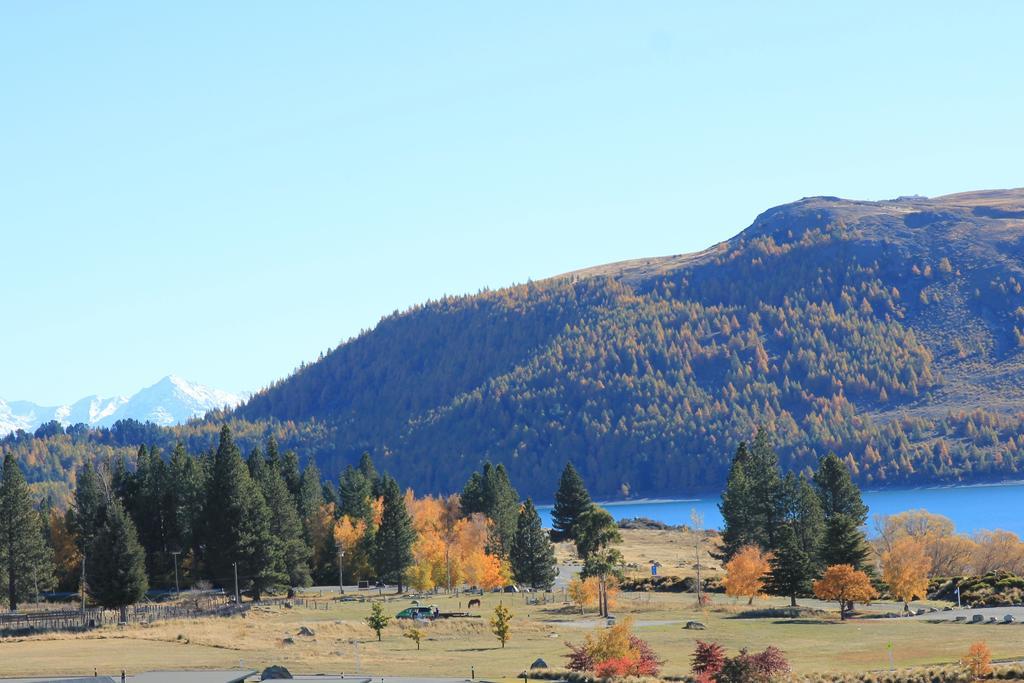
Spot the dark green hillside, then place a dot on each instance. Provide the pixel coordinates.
(891, 332)
(868, 328)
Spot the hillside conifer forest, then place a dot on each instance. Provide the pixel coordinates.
(889, 332)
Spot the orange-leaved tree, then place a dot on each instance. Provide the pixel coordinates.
(905, 568)
(978, 662)
(745, 572)
(844, 584)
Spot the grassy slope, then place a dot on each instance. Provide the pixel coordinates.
(452, 647)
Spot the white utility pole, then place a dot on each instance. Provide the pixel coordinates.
(238, 599)
(177, 590)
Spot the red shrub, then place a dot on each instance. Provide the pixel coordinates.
(707, 659)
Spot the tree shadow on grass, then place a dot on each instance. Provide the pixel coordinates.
(814, 622)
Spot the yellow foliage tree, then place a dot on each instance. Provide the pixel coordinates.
(745, 573)
(582, 593)
(844, 584)
(905, 569)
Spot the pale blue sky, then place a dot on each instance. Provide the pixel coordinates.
(222, 190)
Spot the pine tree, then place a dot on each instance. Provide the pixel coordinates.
(766, 504)
(844, 511)
(571, 501)
(146, 506)
(844, 543)
(286, 527)
(472, 497)
(237, 528)
(837, 492)
(502, 508)
(595, 531)
(791, 568)
(115, 569)
(802, 513)
(25, 560)
(736, 507)
(185, 503)
(292, 474)
(311, 498)
(355, 491)
(532, 556)
(273, 453)
(89, 507)
(256, 464)
(395, 536)
(373, 478)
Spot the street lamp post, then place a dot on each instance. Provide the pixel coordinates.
(341, 571)
(177, 590)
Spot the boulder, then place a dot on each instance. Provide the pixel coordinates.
(305, 631)
(539, 664)
(288, 641)
(1008, 619)
(977, 619)
(695, 626)
(275, 673)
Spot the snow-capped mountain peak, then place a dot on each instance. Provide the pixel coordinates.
(172, 400)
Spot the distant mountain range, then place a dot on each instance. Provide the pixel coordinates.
(170, 401)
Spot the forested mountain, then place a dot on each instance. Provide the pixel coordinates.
(890, 332)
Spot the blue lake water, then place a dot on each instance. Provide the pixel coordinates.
(972, 508)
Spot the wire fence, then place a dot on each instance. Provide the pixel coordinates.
(15, 623)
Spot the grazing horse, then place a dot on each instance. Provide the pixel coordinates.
(475, 602)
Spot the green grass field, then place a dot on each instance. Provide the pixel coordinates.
(343, 643)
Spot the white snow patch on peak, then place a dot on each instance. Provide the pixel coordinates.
(172, 400)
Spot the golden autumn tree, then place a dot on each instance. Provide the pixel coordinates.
(582, 593)
(350, 536)
(66, 558)
(745, 573)
(429, 551)
(844, 584)
(905, 568)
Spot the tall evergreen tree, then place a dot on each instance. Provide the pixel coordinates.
(766, 504)
(369, 471)
(273, 453)
(845, 514)
(802, 513)
(532, 556)
(311, 498)
(395, 536)
(792, 569)
(355, 491)
(286, 527)
(237, 528)
(26, 561)
(146, 507)
(472, 497)
(89, 507)
(502, 503)
(737, 516)
(257, 464)
(571, 500)
(595, 531)
(292, 474)
(116, 566)
(185, 504)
